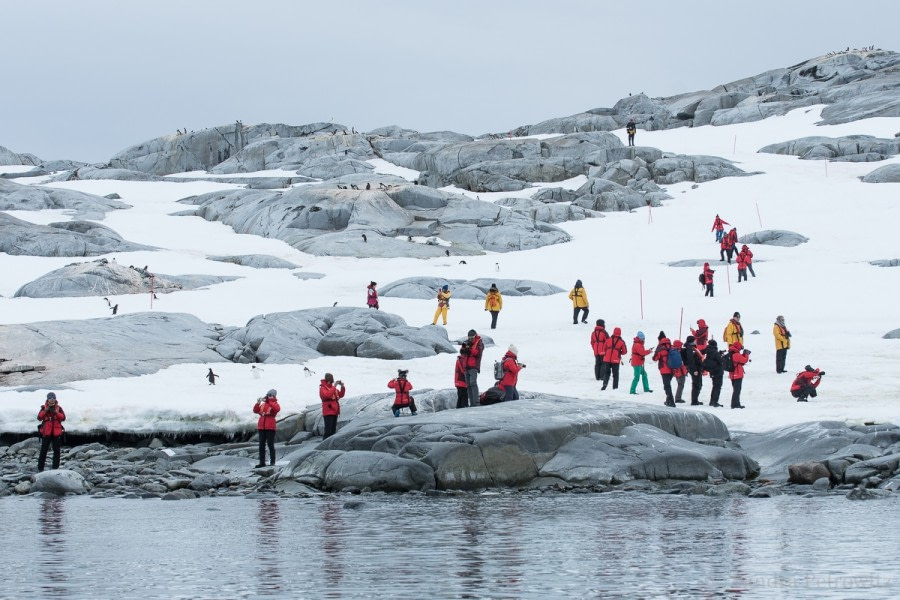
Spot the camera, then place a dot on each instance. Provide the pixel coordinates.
(338, 382)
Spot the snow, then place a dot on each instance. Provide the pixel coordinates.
(836, 304)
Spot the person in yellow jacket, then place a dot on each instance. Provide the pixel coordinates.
(443, 298)
(782, 343)
(734, 331)
(579, 302)
(493, 303)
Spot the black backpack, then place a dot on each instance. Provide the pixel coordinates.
(728, 362)
(702, 278)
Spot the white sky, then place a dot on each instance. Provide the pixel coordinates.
(836, 304)
(84, 80)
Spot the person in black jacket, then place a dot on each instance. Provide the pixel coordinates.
(693, 360)
(713, 364)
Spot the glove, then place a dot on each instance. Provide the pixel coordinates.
(821, 373)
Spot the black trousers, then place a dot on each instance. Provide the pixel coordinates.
(611, 368)
(780, 358)
(266, 438)
(742, 275)
(598, 367)
(494, 314)
(667, 387)
(709, 290)
(716, 388)
(583, 317)
(750, 268)
(462, 397)
(696, 385)
(46, 442)
(736, 392)
(330, 426)
(803, 392)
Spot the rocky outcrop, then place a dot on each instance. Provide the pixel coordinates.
(579, 442)
(104, 278)
(305, 334)
(890, 262)
(8, 157)
(537, 210)
(121, 346)
(14, 196)
(71, 238)
(256, 261)
(324, 220)
(773, 237)
(893, 334)
(60, 482)
(851, 148)
(314, 155)
(885, 174)
(425, 288)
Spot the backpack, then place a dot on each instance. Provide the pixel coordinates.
(674, 360)
(702, 278)
(728, 362)
(493, 395)
(498, 370)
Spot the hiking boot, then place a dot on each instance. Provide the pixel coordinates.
(396, 412)
(696, 404)
(672, 404)
(414, 414)
(738, 406)
(679, 401)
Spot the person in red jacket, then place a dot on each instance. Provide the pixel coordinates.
(679, 374)
(661, 356)
(330, 392)
(719, 227)
(51, 417)
(511, 368)
(638, 356)
(402, 386)
(599, 337)
(740, 356)
(805, 383)
(615, 350)
(748, 259)
(473, 352)
(372, 295)
(267, 408)
(708, 280)
(727, 245)
(459, 379)
(701, 335)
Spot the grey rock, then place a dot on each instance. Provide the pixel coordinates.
(425, 288)
(319, 155)
(885, 174)
(575, 124)
(767, 491)
(807, 472)
(773, 237)
(892, 262)
(822, 484)
(819, 147)
(861, 493)
(442, 164)
(883, 466)
(8, 157)
(221, 463)
(104, 278)
(515, 174)
(209, 481)
(604, 195)
(691, 262)
(257, 261)
(378, 472)
(729, 488)
(301, 335)
(60, 482)
(893, 334)
(693, 168)
(14, 196)
(123, 346)
(547, 213)
(72, 238)
(182, 494)
(795, 444)
(104, 173)
(307, 275)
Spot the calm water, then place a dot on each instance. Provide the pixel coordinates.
(490, 546)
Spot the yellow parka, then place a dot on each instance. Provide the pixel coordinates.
(579, 298)
(493, 301)
(782, 341)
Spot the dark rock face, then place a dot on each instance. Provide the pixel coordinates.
(71, 238)
(122, 346)
(304, 334)
(511, 444)
(426, 287)
(104, 278)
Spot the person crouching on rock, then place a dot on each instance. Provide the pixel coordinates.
(266, 407)
(402, 399)
(330, 392)
(51, 417)
(511, 368)
(805, 383)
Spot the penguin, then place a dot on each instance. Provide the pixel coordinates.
(368, 186)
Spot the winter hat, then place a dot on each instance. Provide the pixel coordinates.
(809, 368)
(494, 287)
(661, 335)
(512, 348)
(601, 323)
(712, 344)
(677, 343)
(446, 287)
(737, 314)
(578, 283)
(472, 333)
(372, 283)
(640, 335)
(617, 331)
(689, 339)
(272, 393)
(51, 396)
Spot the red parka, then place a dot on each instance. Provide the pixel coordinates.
(599, 338)
(459, 376)
(707, 273)
(330, 395)
(748, 254)
(51, 425)
(615, 348)
(267, 411)
(476, 350)
(661, 356)
(402, 388)
(742, 261)
(739, 359)
(511, 368)
(638, 353)
(701, 335)
(719, 224)
(805, 378)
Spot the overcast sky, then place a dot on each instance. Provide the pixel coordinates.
(84, 80)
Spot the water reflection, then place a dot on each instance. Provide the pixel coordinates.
(268, 548)
(467, 547)
(54, 564)
(332, 538)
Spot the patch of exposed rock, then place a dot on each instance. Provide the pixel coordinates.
(773, 237)
(301, 335)
(257, 261)
(104, 278)
(8, 157)
(426, 287)
(885, 174)
(71, 238)
(851, 148)
(15, 196)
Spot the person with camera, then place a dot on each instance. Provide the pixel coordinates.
(713, 364)
(402, 386)
(443, 304)
(782, 343)
(473, 351)
(616, 348)
(459, 378)
(51, 416)
(661, 356)
(740, 356)
(330, 392)
(805, 383)
(267, 408)
(511, 368)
